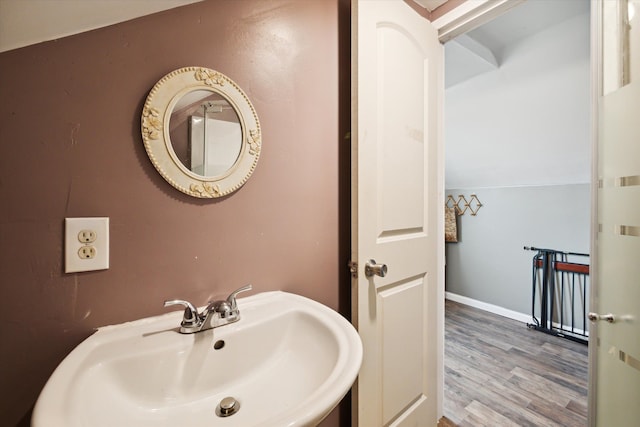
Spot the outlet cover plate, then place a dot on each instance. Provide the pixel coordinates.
(72, 244)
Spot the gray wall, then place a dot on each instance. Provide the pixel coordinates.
(519, 138)
(489, 264)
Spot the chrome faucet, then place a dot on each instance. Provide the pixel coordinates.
(217, 313)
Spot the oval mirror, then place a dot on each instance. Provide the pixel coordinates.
(201, 132)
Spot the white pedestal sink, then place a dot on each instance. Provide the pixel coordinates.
(287, 362)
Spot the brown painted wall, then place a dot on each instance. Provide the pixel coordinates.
(70, 146)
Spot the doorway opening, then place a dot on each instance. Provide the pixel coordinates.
(517, 139)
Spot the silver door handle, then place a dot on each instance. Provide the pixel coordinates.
(372, 269)
(594, 317)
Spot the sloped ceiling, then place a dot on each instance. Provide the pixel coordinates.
(482, 49)
(26, 22)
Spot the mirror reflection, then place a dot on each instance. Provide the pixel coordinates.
(201, 132)
(205, 133)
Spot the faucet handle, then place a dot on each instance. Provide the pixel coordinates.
(231, 299)
(191, 316)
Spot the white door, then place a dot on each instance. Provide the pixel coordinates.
(615, 363)
(397, 84)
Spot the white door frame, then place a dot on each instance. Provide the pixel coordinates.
(596, 60)
(470, 15)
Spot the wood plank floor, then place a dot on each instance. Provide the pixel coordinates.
(500, 373)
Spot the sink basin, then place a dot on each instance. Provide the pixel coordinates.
(287, 362)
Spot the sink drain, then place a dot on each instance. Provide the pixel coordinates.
(227, 407)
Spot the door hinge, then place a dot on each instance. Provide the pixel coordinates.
(353, 269)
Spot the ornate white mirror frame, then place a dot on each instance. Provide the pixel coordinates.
(156, 116)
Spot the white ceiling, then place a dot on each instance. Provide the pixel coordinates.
(482, 49)
(26, 22)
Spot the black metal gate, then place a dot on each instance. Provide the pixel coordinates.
(560, 293)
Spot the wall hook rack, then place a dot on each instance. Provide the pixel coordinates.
(473, 205)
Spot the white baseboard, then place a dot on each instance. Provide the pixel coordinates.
(495, 309)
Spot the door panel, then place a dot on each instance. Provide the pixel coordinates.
(402, 338)
(616, 366)
(395, 150)
(401, 131)
(618, 269)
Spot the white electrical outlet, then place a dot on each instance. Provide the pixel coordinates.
(87, 236)
(86, 244)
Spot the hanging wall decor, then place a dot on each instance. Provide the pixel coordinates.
(473, 205)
